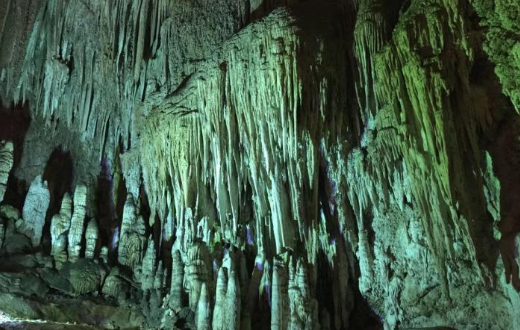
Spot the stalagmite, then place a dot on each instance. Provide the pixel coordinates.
(203, 315)
(127, 224)
(115, 286)
(196, 272)
(232, 310)
(104, 254)
(2, 235)
(147, 276)
(77, 223)
(303, 313)
(35, 210)
(91, 239)
(6, 163)
(279, 303)
(159, 276)
(60, 225)
(176, 288)
(132, 240)
(219, 312)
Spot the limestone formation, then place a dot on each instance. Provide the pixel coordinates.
(219, 311)
(6, 164)
(60, 225)
(232, 306)
(303, 308)
(279, 300)
(2, 235)
(14, 242)
(132, 239)
(203, 319)
(158, 283)
(91, 239)
(75, 279)
(177, 280)
(365, 151)
(147, 276)
(104, 254)
(35, 210)
(77, 223)
(196, 272)
(115, 285)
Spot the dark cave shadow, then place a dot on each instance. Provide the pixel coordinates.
(483, 77)
(113, 227)
(266, 7)
(105, 207)
(316, 17)
(59, 175)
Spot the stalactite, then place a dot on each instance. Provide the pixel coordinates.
(143, 17)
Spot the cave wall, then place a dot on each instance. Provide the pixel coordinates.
(338, 152)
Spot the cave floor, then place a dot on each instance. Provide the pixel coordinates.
(40, 325)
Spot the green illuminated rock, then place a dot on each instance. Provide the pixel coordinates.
(283, 164)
